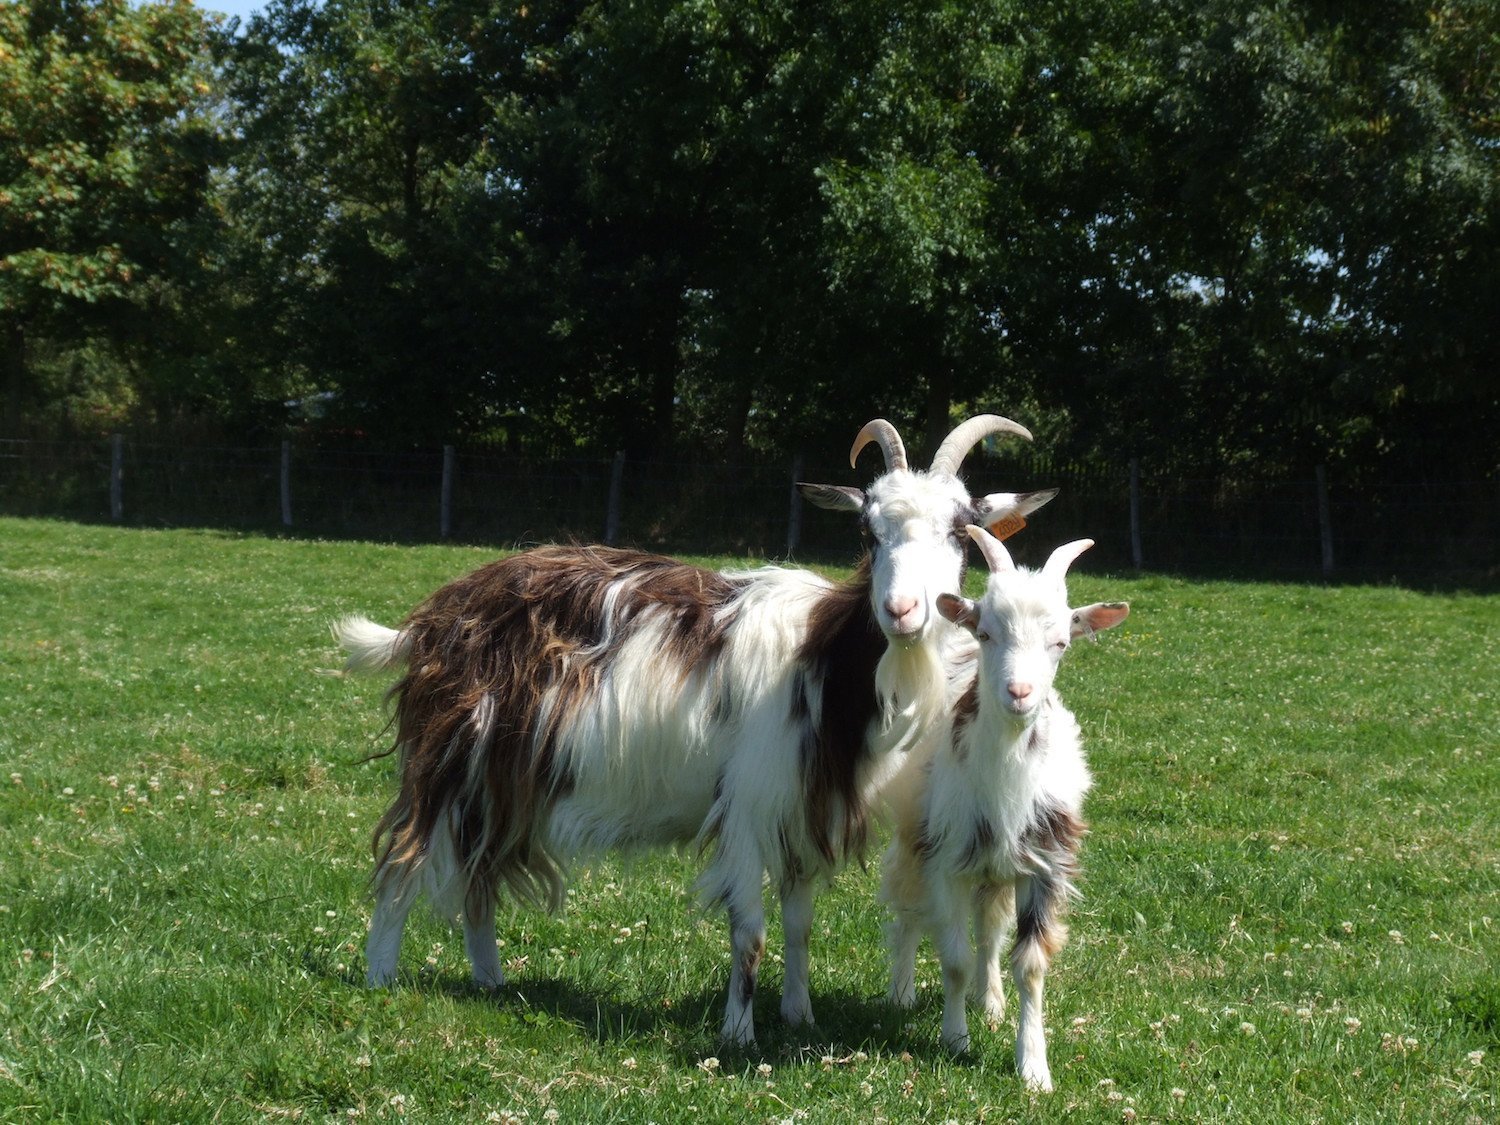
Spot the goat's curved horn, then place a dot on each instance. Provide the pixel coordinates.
(882, 432)
(966, 435)
(1062, 558)
(996, 557)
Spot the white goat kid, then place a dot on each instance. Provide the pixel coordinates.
(569, 700)
(993, 823)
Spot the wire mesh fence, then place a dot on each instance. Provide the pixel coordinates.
(1424, 531)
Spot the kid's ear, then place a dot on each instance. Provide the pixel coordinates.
(1096, 618)
(960, 611)
(834, 497)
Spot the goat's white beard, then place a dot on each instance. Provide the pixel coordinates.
(911, 685)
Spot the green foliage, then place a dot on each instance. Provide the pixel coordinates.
(1287, 912)
(104, 155)
(1226, 237)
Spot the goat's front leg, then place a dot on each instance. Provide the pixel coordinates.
(747, 939)
(1039, 934)
(796, 926)
(948, 909)
(994, 910)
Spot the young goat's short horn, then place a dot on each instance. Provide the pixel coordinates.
(996, 557)
(1062, 558)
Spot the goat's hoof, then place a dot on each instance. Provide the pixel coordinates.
(1038, 1079)
(903, 996)
(490, 982)
(797, 1015)
(380, 978)
(737, 1034)
(958, 1045)
(992, 1006)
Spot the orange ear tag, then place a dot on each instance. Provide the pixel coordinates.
(1004, 529)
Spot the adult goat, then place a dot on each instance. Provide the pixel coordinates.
(567, 700)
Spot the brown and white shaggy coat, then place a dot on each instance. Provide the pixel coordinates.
(568, 700)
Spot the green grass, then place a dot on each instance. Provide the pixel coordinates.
(1290, 904)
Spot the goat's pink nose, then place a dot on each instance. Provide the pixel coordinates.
(899, 607)
(1018, 691)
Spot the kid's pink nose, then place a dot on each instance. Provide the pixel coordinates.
(1018, 691)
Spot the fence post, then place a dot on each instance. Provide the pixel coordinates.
(445, 502)
(286, 483)
(1325, 521)
(1135, 512)
(612, 514)
(117, 477)
(794, 517)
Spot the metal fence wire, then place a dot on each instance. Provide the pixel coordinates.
(1423, 531)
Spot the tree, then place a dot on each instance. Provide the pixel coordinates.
(103, 154)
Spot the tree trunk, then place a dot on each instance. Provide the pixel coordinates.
(939, 402)
(13, 375)
(737, 424)
(664, 404)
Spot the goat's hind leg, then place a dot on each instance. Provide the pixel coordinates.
(394, 897)
(994, 911)
(480, 945)
(796, 927)
(902, 889)
(948, 908)
(1039, 934)
(903, 935)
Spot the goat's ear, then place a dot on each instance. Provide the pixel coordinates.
(960, 611)
(1004, 513)
(1091, 619)
(834, 497)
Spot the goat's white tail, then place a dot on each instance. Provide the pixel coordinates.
(371, 647)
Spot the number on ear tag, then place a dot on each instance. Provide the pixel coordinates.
(1005, 528)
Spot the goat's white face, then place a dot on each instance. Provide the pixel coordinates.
(1022, 630)
(913, 525)
(1023, 624)
(913, 522)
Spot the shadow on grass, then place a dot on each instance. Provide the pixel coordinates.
(690, 1022)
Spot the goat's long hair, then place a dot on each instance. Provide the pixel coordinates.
(497, 662)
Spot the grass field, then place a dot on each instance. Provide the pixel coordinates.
(1290, 904)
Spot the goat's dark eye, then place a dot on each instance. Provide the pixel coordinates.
(982, 635)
